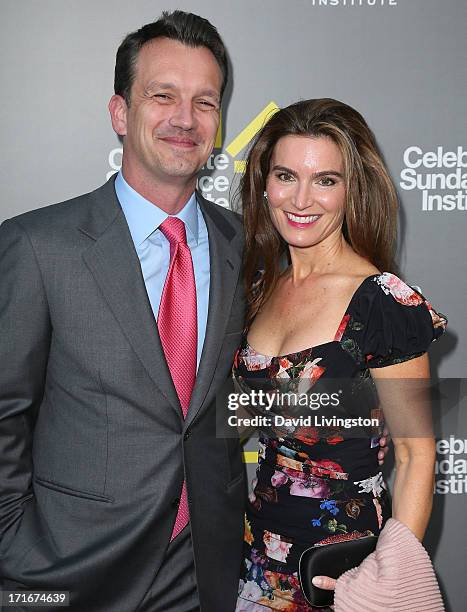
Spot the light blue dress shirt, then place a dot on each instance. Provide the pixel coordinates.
(153, 248)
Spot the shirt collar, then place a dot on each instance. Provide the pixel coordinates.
(144, 217)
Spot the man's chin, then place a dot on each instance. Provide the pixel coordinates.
(182, 166)
(180, 171)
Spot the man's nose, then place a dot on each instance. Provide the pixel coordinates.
(183, 116)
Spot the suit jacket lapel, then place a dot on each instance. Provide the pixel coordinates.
(113, 262)
(225, 264)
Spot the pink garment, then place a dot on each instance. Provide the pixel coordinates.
(398, 576)
(177, 323)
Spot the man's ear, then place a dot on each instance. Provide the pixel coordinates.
(118, 114)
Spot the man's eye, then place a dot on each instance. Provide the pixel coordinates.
(206, 104)
(162, 97)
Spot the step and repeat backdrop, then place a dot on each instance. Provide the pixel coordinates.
(401, 63)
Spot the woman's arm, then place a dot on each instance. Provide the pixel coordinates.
(403, 390)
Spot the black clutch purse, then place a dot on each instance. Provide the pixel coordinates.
(331, 560)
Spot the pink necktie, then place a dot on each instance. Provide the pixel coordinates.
(178, 330)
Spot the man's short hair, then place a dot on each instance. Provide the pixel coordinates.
(187, 28)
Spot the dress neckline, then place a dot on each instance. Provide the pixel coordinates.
(304, 350)
(329, 342)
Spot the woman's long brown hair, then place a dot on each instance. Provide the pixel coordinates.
(371, 199)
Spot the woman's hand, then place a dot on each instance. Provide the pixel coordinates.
(324, 582)
(384, 445)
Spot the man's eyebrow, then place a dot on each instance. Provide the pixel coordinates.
(154, 84)
(212, 93)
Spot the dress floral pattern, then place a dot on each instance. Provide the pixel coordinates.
(314, 486)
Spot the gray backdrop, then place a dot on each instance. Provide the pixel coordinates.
(401, 63)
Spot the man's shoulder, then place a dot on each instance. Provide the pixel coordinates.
(64, 214)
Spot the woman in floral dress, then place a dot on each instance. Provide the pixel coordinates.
(316, 192)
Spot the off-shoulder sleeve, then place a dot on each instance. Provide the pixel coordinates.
(401, 323)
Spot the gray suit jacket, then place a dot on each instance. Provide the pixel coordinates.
(93, 444)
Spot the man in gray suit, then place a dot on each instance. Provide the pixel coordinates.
(96, 442)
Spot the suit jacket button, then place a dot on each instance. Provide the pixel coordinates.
(187, 435)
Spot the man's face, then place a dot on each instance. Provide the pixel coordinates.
(170, 126)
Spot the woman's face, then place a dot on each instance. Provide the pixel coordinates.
(306, 189)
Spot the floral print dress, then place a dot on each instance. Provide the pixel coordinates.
(313, 486)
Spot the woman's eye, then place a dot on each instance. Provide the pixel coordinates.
(327, 181)
(285, 177)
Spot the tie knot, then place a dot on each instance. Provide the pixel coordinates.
(174, 230)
